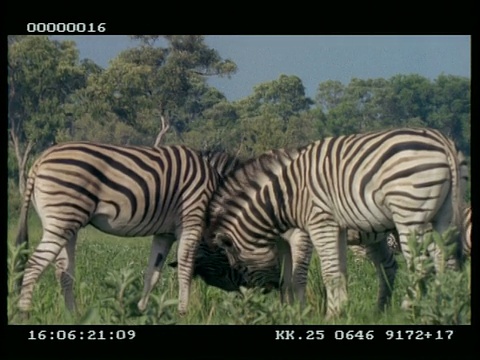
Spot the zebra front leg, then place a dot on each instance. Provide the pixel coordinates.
(331, 245)
(65, 272)
(187, 247)
(286, 287)
(386, 266)
(301, 253)
(45, 253)
(161, 245)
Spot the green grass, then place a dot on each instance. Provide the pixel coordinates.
(105, 264)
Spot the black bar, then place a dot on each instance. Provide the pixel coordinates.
(223, 341)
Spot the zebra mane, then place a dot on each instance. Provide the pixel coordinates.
(242, 179)
(223, 162)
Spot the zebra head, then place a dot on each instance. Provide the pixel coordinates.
(213, 267)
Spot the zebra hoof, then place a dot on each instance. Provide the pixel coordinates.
(406, 305)
(24, 306)
(142, 305)
(182, 311)
(23, 316)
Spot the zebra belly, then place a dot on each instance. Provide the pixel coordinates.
(121, 224)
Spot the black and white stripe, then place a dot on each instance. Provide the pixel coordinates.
(467, 225)
(293, 253)
(408, 179)
(121, 190)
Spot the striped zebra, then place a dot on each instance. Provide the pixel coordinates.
(408, 179)
(467, 224)
(294, 254)
(121, 190)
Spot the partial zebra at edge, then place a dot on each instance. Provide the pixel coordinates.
(467, 225)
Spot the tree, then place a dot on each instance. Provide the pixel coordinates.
(169, 79)
(329, 95)
(451, 109)
(42, 74)
(264, 116)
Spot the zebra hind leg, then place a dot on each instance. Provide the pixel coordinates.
(65, 272)
(161, 245)
(45, 253)
(386, 266)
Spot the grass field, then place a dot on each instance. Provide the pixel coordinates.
(109, 279)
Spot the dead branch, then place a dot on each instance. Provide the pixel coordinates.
(239, 148)
(162, 132)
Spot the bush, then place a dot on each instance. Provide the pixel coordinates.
(14, 199)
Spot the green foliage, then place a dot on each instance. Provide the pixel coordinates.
(14, 198)
(430, 296)
(108, 285)
(250, 307)
(15, 263)
(403, 100)
(42, 74)
(121, 303)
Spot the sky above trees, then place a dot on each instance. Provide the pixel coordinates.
(314, 59)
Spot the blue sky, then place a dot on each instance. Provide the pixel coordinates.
(313, 58)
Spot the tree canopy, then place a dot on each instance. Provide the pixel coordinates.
(55, 97)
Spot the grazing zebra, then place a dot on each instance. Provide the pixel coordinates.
(121, 190)
(294, 255)
(408, 179)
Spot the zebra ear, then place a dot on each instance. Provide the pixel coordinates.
(223, 240)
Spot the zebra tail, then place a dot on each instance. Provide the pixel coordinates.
(22, 234)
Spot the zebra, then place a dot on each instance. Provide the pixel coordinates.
(407, 178)
(294, 253)
(467, 224)
(121, 190)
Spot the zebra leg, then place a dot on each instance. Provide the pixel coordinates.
(65, 272)
(161, 245)
(45, 253)
(453, 261)
(331, 245)
(286, 287)
(301, 251)
(386, 266)
(187, 247)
